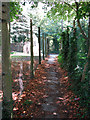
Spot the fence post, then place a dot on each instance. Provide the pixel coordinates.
(39, 45)
(31, 40)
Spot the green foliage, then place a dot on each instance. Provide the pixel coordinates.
(27, 102)
(15, 10)
(73, 58)
(83, 10)
(73, 55)
(54, 47)
(14, 38)
(65, 9)
(12, 52)
(61, 11)
(60, 60)
(21, 38)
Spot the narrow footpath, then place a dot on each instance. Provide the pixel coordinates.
(46, 96)
(52, 106)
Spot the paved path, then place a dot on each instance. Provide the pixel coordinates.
(50, 107)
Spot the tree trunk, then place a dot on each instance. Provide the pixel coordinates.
(67, 35)
(43, 46)
(89, 65)
(31, 41)
(88, 43)
(47, 46)
(62, 25)
(88, 57)
(6, 66)
(79, 25)
(89, 50)
(83, 74)
(0, 61)
(39, 45)
(78, 21)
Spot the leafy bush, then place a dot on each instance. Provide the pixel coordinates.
(73, 57)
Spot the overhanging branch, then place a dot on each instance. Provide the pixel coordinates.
(78, 22)
(79, 25)
(70, 6)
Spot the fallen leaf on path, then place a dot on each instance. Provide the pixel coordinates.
(15, 109)
(61, 98)
(58, 102)
(45, 96)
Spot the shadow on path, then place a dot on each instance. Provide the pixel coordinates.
(46, 95)
(51, 103)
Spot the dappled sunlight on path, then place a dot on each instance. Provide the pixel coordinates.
(46, 95)
(52, 104)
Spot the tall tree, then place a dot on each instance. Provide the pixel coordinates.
(83, 8)
(77, 10)
(39, 45)
(31, 41)
(6, 65)
(6, 69)
(43, 46)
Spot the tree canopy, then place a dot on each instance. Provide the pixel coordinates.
(15, 10)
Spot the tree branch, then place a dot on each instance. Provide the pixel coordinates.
(79, 25)
(83, 74)
(70, 6)
(85, 67)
